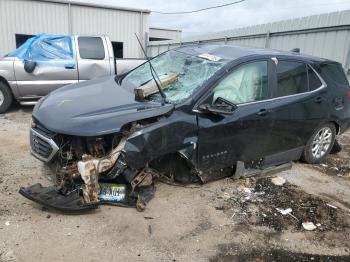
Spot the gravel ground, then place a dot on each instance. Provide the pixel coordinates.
(213, 222)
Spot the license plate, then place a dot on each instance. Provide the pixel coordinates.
(112, 192)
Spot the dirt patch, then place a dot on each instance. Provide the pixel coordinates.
(228, 254)
(260, 202)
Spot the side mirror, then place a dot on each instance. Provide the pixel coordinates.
(218, 108)
(29, 66)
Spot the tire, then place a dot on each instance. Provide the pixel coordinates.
(319, 144)
(336, 148)
(5, 97)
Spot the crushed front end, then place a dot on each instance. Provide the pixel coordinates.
(88, 171)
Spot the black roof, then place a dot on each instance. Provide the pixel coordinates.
(230, 52)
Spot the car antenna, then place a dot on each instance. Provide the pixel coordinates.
(152, 72)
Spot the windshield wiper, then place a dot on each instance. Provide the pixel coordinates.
(153, 72)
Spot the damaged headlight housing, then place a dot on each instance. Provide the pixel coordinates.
(32, 123)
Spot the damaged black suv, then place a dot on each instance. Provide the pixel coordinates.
(189, 115)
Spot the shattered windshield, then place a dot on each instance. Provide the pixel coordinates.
(180, 75)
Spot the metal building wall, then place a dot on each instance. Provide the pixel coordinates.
(120, 26)
(37, 16)
(325, 35)
(29, 17)
(166, 33)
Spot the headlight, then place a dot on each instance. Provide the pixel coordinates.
(32, 123)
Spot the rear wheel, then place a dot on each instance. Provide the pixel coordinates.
(320, 144)
(5, 97)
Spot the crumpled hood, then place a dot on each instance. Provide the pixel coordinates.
(93, 108)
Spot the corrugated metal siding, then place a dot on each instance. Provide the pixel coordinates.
(325, 35)
(33, 17)
(29, 17)
(164, 33)
(120, 26)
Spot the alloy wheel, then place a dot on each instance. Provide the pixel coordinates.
(321, 142)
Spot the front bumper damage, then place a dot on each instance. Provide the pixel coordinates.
(52, 197)
(92, 181)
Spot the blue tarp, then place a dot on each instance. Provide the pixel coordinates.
(45, 47)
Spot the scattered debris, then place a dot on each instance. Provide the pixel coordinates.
(331, 206)
(278, 181)
(7, 223)
(267, 200)
(284, 211)
(247, 190)
(309, 226)
(69, 234)
(148, 217)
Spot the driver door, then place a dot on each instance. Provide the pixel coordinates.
(55, 66)
(245, 133)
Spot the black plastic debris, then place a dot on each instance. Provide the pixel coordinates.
(52, 197)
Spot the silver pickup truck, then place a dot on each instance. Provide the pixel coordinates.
(47, 62)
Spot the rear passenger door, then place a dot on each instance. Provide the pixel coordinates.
(299, 105)
(93, 57)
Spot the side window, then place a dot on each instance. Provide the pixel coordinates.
(91, 48)
(314, 81)
(247, 83)
(291, 78)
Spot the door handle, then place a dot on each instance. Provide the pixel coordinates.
(69, 66)
(319, 100)
(262, 112)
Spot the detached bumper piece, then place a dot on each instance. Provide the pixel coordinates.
(50, 197)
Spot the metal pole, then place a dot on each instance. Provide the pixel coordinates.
(141, 32)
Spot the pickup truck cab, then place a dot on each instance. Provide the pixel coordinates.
(47, 62)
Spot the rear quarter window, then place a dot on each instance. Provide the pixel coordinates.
(291, 78)
(91, 48)
(333, 72)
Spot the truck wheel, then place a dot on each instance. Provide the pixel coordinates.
(320, 144)
(5, 97)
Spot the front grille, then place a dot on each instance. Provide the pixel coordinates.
(42, 146)
(42, 130)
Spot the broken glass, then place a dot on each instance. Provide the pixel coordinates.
(192, 72)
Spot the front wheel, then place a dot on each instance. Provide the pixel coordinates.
(320, 144)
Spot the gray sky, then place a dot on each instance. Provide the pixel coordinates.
(248, 13)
